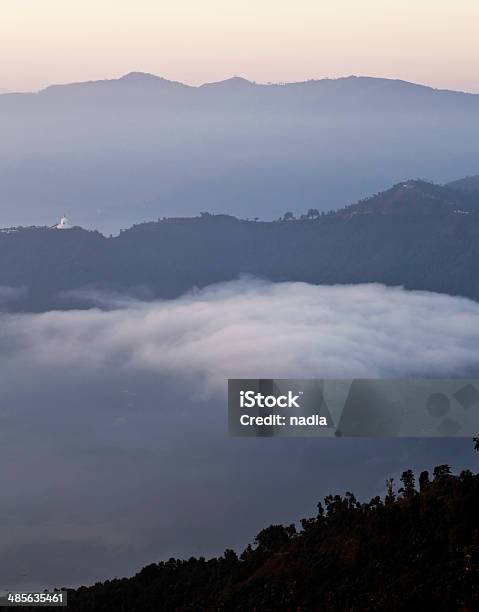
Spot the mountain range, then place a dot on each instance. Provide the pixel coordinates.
(115, 152)
(368, 91)
(415, 234)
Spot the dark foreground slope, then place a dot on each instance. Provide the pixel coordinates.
(415, 551)
(417, 235)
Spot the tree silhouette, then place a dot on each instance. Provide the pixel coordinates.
(441, 471)
(408, 489)
(423, 481)
(390, 493)
(274, 537)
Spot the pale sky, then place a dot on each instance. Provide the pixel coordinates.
(195, 41)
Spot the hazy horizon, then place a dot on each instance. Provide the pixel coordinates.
(433, 43)
(228, 77)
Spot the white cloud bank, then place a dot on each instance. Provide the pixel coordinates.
(254, 329)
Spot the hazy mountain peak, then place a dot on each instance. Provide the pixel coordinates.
(235, 81)
(146, 78)
(129, 80)
(140, 76)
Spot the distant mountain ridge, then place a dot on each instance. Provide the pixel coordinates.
(146, 78)
(366, 91)
(115, 152)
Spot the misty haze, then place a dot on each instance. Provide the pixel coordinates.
(115, 152)
(115, 351)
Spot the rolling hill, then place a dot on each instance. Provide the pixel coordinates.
(417, 235)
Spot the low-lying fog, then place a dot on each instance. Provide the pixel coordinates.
(113, 423)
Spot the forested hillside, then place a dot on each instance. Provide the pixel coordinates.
(415, 549)
(416, 235)
(469, 184)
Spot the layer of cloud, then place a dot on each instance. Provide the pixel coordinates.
(254, 329)
(113, 435)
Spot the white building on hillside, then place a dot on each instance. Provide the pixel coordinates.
(64, 224)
